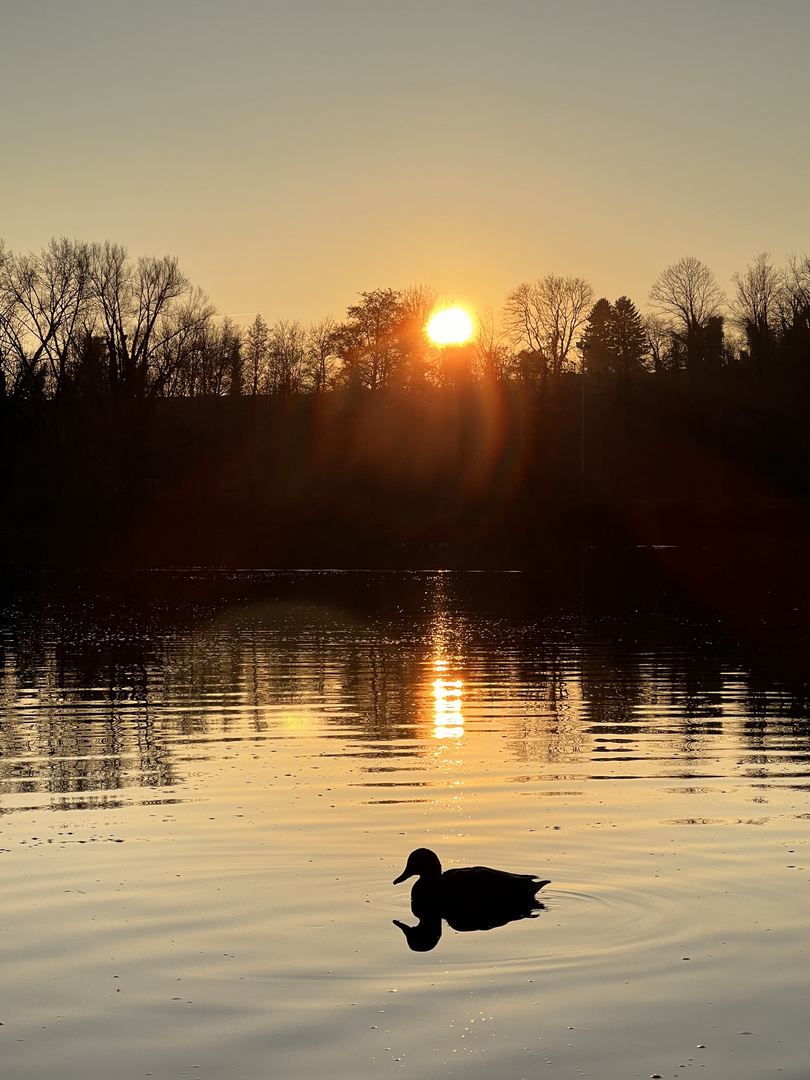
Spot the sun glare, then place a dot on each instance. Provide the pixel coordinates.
(452, 326)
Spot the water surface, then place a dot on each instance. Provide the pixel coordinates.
(208, 783)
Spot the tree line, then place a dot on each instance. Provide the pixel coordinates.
(88, 321)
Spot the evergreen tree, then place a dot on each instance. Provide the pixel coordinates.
(598, 337)
(629, 339)
(615, 338)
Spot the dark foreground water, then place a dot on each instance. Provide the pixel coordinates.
(208, 783)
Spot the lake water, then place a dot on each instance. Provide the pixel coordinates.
(208, 783)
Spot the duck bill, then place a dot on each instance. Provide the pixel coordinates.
(402, 877)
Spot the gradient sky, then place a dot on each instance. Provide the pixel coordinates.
(291, 153)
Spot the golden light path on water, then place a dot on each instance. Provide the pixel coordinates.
(448, 717)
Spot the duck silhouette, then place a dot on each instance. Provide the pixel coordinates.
(466, 897)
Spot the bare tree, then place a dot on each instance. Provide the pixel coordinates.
(545, 316)
(794, 291)
(794, 311)
(287, 357)
(756, 293)
(494, 359)
(256, 354)
(417, 303)
(43, 299)
(659, 341)
(148, 315)
(688, 293)
(232, 341)
(187, 350)
(755, 308)
(321, 361)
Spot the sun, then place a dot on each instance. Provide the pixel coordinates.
(452, 326)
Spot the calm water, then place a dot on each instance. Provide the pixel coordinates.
(208, 783)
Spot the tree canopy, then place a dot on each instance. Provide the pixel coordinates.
(88, 320)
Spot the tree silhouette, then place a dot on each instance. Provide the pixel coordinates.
(149, 316)
(755, 309)
(598, 335)
(630, 342)
(658, 338)
(43, 301)
(256, 354)
(321, 360)
(418, 356)
(367, 341)
(544, 317)
(286, 357)
(382, 343)
(615, 336)
(232, 339)
(494, 360)
(688, 295)
(794, 313)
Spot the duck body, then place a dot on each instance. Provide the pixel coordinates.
(469, 897)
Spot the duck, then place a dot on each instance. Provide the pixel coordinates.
(481, 881)
(468, 897)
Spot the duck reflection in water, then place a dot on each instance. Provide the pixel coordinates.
(466, 897)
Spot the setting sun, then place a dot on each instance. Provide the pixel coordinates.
(452, 326)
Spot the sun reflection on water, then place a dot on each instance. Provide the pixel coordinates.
(448, 719)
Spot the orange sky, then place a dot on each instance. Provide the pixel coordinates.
(292, 153)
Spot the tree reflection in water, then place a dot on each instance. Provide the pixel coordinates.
(100, 679)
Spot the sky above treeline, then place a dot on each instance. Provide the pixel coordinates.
(292, 153)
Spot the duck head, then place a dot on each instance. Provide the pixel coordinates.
(423, 863)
